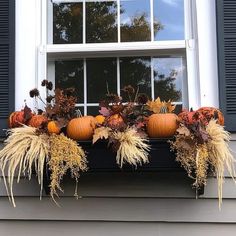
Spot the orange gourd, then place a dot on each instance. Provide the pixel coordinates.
(162, 125)
(100, 119)
(16, 119)
(37, 121)
(81, 128)
(53, 127)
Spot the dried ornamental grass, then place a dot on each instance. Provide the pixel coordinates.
(133, 149)
(219, 153)
(25, 150)
(65, 154)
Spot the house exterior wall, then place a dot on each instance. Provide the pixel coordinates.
(157, 203)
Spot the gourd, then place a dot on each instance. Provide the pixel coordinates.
(53, 127)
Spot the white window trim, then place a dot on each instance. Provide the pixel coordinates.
(31, 52)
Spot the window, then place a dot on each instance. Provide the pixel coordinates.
(101, 46)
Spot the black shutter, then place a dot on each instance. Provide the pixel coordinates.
(7, 61)
(226, 34)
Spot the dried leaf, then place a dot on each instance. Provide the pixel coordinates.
(183, 130)
(101, 133)
(27, 113)
(104, 111)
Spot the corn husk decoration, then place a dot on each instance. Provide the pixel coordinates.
(132, 148)
(26, 149)
(65, 154)
(220, 155)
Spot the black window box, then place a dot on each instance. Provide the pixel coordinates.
(102, 159)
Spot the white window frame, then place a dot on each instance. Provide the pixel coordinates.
(32, 50)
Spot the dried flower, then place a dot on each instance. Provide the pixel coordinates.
(34, 93)
(44, 82)
(49, 98)
(49, 85)
(142, 98)
(129, 89)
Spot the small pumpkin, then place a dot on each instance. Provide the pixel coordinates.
(115, 120)
(16, 119)
(100, 119)
(162, 125)
(81, 128)
(53, 127)
(211, 113)
(37, 121)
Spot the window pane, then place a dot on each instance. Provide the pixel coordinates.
(101, 77)
(169, 19)
(169, 78)
(70, 74)
(93, 111)
(137, 73)
(67, 23)
(101, 22)
(135, 20)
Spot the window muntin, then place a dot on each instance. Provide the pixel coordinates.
(109, 74)
(158, 56)
(103, 21)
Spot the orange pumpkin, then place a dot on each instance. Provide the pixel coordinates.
(100, 119)
(211, 113)
(53, 127)
(162, 125)
(81, 128)
(37, 120)
(16, 119)
(115, 120)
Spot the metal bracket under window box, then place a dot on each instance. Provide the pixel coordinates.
(102, 159)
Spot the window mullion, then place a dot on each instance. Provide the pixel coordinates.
(118, 20)
(152, 19)
(85, 87)
(84, 21)
(152, 78)
(118, 75)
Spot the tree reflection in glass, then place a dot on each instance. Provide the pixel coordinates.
(101, 22)
(136, 71)
(70, 74)
(168, 78)
(135, 20)
(101, 76)
(67, 23)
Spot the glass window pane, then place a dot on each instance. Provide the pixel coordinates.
(70, 74)
(135, 20)
(136, 72)
(93, 111)
(169, 78)
(67, 23)
(169, 19)
(101, 22)
(101, 77)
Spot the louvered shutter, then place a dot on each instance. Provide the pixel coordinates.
(7, 61)
(226, 28)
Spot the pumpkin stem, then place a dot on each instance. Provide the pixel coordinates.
(163, 110)
(78, 113)
(191, 109)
